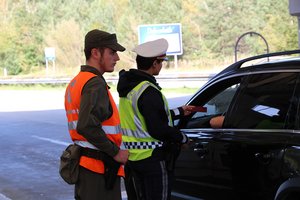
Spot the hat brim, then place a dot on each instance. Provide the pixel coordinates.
(116, 47)
(164, 57)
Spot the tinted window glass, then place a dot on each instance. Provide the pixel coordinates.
(263, 102)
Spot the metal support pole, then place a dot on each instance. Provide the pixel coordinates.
(53, 65)
(5, 72)
(299, 32)
(175, 61)
(47, 67)
(243, 35)
(294, 8)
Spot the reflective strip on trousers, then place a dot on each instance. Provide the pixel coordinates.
(107, 129)
(142, 145)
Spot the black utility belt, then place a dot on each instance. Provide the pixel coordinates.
(92, 153)
(111, 166)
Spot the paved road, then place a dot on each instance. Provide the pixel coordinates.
(33, 134)
(31, 143)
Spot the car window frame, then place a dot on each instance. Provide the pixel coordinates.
(209, 91)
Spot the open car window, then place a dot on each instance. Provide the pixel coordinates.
(221, 95)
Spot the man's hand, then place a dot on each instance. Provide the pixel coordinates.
(122, 156)
(187, 110)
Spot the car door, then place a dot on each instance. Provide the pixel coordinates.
(194, 167)
(244, 156)
(257, 126)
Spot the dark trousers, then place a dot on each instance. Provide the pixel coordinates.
(91, 186)
(148, 179)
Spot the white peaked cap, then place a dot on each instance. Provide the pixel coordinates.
(156, 48)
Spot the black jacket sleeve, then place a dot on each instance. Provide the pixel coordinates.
(177, 113)
(151, 106)
(94, 109)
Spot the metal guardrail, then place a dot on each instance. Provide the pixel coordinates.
(112, 80)
(32, 81)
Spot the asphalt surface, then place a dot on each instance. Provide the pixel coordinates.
(33, 134)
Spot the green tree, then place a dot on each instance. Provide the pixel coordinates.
(67, 39)
(210, 29)
(280, 27)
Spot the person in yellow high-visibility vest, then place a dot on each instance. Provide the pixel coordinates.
(147, 125)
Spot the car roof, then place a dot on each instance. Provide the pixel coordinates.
(272, 62)
(264, 62)
(269, 58)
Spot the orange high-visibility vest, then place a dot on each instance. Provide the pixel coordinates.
(110, 126)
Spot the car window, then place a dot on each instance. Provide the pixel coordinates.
(215, 100)
(218, 104)
(263, 102)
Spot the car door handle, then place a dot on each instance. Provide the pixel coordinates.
(264, 158)
(201, 148)
(201, 152)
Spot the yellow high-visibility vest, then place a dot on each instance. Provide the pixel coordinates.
(135, 134)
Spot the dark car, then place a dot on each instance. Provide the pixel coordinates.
(289, 190)
(256, 149)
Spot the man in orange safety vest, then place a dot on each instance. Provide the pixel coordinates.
(93, 119)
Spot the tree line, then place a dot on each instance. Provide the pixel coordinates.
(210, 29)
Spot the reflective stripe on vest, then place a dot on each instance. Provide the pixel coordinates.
(107, 129)
(74, 111)
(135, 134)
(85, 144)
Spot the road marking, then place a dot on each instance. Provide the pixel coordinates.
(124, 194)
(3, 197)
(51, 140)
